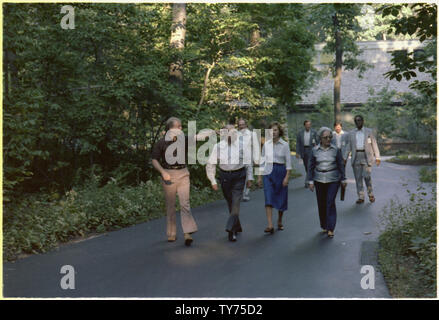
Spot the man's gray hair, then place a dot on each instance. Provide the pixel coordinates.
(322, 130)
(171, 122)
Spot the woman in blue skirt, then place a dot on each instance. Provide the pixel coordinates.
(276, 168)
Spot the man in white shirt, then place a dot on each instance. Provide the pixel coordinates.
(233, 173)
(338, 136)
(362, 143)
(252, 139)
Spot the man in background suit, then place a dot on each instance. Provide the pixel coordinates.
(361, 142)
(306, 139)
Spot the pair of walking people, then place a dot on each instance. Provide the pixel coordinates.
(176, 178)
(274, 171)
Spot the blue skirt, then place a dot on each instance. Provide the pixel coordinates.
(276, 195)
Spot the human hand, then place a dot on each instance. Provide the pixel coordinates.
(249, 184)
(378, 161)
(166, 176)
(259, 182)
(311, 187)
(285, 182)
(215, 187)
(344, 184)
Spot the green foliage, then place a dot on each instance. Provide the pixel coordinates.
(321, 21)
(427, 174)
(325, 112)
(423, 25)
(406, 159)
(96, 99)
(408, 245)
(380, 113)
(96, 95)
(414, 120)
(376, 26)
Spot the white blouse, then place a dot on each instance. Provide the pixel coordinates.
(277, 153)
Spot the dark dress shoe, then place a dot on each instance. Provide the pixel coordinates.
(232, 236)
(359, 201)
(187, 239)
(372, 199)
(269, 230)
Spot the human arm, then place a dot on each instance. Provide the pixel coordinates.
(310, 173)
(160, 169)
(288, 164)
(341, 167)
(347, 147)
(298, 146)
(211, 168)
(375, 149)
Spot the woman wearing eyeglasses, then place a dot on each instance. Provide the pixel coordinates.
(325, 173)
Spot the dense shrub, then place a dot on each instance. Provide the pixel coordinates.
(410, 160)
(427, 174)
(407, 252)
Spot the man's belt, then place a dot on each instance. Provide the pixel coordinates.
(360, 150)
(228, 171)
(175, 167)
(326, 170)
(307, 146)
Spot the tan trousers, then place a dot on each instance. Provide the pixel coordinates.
(181, 186)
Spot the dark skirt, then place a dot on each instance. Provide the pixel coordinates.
(276, 195)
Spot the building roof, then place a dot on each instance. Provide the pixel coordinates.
(355, 90)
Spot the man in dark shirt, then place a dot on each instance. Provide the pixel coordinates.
(169, 157)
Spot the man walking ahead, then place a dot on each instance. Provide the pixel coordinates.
(175, 178)
(233, 173)
(362, 144)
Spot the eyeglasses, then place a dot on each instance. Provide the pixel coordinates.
(326, 137)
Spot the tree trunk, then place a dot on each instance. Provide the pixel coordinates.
(286, 135)
(178, 34)
(255, 38)
(338, 70)
(204, 90)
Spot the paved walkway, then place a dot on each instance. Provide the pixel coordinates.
(297, 262)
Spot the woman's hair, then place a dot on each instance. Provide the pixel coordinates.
(277, 124)
(322, 130)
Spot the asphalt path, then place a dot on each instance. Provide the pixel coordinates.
(298, 262)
